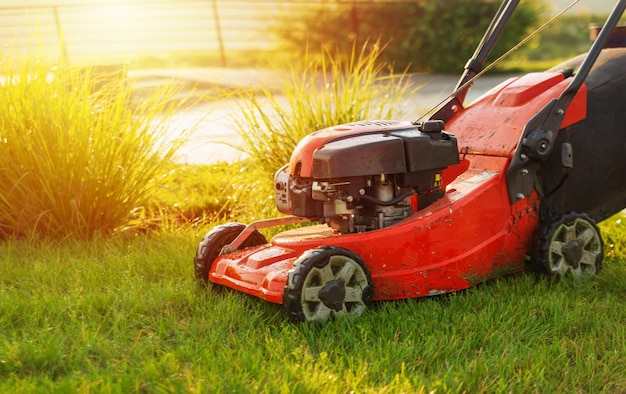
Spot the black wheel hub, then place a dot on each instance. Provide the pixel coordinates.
(573, 253)
(333, 294)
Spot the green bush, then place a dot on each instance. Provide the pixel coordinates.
(77, 154)
(437, 36)
(565, 38)
(332, 90)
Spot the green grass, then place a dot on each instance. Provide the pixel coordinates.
(193, 195)
(77, 151)
(331, 90)
(124, 314)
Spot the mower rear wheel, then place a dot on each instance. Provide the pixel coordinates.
(568, 244)
(213, 244)
(327, 281)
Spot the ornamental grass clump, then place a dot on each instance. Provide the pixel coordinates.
(333, 89)
(77, 153)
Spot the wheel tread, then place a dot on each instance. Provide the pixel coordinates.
(315, 258)
(214, 241)
(542, 242)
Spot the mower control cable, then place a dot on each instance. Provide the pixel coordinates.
(445, 108)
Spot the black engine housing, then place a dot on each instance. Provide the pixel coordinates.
(408, 152)
(364, 181)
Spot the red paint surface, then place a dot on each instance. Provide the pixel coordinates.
(471, 234)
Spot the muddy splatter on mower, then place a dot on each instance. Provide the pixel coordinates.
(410, 209)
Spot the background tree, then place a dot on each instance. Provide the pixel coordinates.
(423, 35)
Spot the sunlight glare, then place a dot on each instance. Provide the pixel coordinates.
(120, 25)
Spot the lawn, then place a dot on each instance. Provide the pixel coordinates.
(117, 308)
(125, 314)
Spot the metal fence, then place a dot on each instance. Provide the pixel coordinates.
(79, 30)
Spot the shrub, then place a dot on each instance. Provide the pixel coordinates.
(76, 153)
(437, 36)
(332, 90)
(567, 37)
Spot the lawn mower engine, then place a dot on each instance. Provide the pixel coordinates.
(366, 176)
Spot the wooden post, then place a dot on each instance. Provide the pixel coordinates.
(218, 30)
(62, 44)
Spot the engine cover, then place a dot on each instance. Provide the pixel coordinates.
(366, 177)
(398, 152)
(369, 154)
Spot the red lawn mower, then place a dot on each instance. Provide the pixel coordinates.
(411, 209)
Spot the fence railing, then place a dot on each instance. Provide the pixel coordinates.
(76, 30)
(79, 30)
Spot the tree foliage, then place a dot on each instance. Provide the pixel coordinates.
(568, 37)
(423, 35)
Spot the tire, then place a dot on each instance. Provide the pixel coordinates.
(569, 244)
(214, 242)
(327, 282)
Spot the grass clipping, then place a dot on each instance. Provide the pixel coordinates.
(77, 153)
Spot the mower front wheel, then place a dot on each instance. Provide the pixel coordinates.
(214, 242)
(327, 281)
(568, 244)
